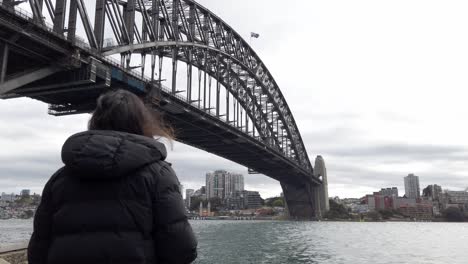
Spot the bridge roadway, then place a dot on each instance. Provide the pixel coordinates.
(69, 75)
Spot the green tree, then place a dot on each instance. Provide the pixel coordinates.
(337, 211)
(386, 214)
(453, 214)
(269, 201)
(278, 203)
(374, 215)
(28, 214)
(24, 201)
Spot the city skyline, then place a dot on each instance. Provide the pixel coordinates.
(395, 187)
(363, 96)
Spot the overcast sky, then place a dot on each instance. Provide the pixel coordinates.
(378, 88)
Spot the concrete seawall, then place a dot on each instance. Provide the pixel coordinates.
(14, 254)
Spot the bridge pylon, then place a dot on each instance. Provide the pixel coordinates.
(308, 200)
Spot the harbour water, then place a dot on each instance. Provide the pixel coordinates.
(312, 242)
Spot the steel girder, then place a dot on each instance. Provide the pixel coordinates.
(223, 71)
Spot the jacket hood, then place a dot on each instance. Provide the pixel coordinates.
(103, 154)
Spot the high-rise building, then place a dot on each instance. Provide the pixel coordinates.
(412, 186)
(237, 181)
(188, 196)
(233, 182)
(215, 184)
(390, 192)
(433, 191)
(223, 184)
(25, 193)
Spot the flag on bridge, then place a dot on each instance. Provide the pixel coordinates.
(254, 35)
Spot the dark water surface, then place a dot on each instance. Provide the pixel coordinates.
(227, 242)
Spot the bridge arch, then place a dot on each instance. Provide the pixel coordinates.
(184, 24)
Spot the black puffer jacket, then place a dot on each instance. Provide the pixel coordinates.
(115, 201)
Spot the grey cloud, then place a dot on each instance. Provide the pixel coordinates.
(30, 140)
(359, 175)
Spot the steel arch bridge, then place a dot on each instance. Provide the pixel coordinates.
(189, 63)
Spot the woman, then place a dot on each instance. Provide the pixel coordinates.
(116, 200)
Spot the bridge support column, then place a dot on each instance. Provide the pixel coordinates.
(317, 200)
(99, 22)
(60, 12)
(300, 201)
(320, 171)
(72, 18)
(3, 61)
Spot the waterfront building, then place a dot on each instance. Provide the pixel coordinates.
(200, 192)
(237, 182)
(412, 186)
(434, 193)
(402, 201)
(377, 201)
(215, 184)
(223, 184)
(414, 208)
(457, 197)
(417, 209)
(254, 200)
(188, 196)
(244, 200)
(360, 208)
(353, 204)
(390, 192)
(25, 193)
(8, 197)
(233, 182)
(236, 201)
(370, 202)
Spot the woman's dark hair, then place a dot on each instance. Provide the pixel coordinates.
(121, 110)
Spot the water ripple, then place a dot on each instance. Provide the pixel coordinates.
(330, 242)
(270, 242)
